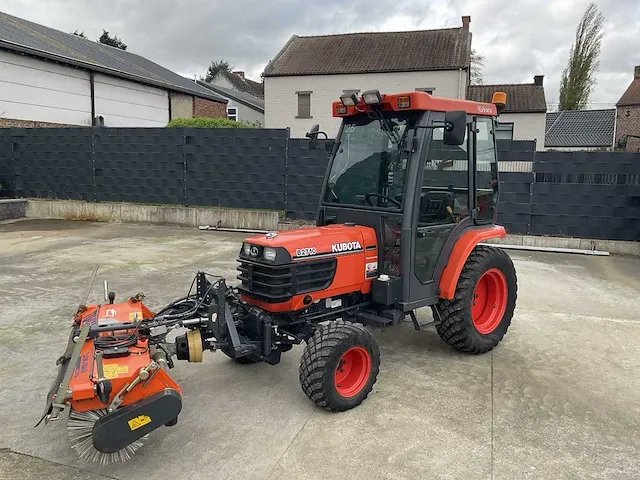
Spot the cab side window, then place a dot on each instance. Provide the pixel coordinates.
(487, 170)
(445, 183)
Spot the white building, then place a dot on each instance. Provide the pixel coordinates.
(48, 77)
(241, 106)
(525, 115)
(309, 73)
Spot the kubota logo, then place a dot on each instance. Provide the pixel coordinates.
(345, 247)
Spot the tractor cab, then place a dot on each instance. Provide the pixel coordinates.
(421, 171)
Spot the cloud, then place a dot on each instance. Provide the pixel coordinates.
(519, 39)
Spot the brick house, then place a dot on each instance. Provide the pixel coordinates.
(525, 116)
(49, 78)
(628, 113)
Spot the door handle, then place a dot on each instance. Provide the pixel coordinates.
(424, 233)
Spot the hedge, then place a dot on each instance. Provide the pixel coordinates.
(208, 123)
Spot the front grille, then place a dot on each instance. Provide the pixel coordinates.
(278, 283)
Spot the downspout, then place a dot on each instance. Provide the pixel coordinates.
(460, 94)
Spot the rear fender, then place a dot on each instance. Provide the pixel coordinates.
(461, 251)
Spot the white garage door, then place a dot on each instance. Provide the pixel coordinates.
(128, 104)
(32, 89)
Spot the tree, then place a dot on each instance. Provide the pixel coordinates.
(477, 64)
(112, 41)
(578, 77)
(216, 68)
(79, 34)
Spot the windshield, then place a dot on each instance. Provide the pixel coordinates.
(370, 165)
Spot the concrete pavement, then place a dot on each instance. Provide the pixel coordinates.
(558, 398)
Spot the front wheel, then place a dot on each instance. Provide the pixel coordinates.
(339, 365)
(480, 313)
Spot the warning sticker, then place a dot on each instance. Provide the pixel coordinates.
(135, 315)
(139, 421)
(371, 270)
(113, 370)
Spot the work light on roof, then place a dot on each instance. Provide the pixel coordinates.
(349, 99)
(372, 97)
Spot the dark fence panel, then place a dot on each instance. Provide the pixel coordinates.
(514, 207)
(582, 194)
(7, 176)
(242, 168)
(305, 175)
(53, 163)
(142, 165)
(586, 194)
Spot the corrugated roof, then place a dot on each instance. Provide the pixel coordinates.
(580, 128)
(23, 36)
(245, 85)
(241, 97)
(521, 97)
(421, 50)
(631, 96)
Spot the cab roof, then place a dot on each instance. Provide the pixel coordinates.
(417, 101)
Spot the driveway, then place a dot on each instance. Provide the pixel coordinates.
(558, 398)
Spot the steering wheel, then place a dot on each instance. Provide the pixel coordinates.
(368, 196)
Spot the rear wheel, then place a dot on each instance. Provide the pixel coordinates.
(339, 365)
(479, 315)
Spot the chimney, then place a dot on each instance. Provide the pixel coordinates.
(466, 20)
(537, 80)
(240, 74)
(636, 72)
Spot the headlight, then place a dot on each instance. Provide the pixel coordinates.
(247, 249)
(269, 254)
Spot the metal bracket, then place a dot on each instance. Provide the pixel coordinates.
(59, 405)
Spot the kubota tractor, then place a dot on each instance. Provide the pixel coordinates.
(410, 193)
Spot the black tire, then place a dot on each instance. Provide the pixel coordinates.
(321, 359)
(457, 327)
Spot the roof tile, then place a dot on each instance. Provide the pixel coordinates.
(580, 128)
(521, 97)
(421, 50)
(38, 40)
(631, 96)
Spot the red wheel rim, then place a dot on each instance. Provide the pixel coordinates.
(352, 371)
(489, 301)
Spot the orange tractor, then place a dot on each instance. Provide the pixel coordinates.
(410, 194)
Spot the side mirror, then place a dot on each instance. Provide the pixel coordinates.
(455, 127)
(312, 135)
(328, 145)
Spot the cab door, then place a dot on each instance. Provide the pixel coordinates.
(443, 207)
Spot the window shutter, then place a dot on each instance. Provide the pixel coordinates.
(304, 105)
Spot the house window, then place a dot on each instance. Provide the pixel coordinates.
(428, 90)
(304, 105)
(504, 131)
(232, 113)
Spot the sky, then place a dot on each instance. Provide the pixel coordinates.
(518, 38)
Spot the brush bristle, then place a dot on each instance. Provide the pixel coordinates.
(80, 428)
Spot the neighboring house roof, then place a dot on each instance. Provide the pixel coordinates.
(245, 85)
(240, 97)
(631, 96)
(580, 128)
(19, 35)
(521, 97)
(444, 49)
